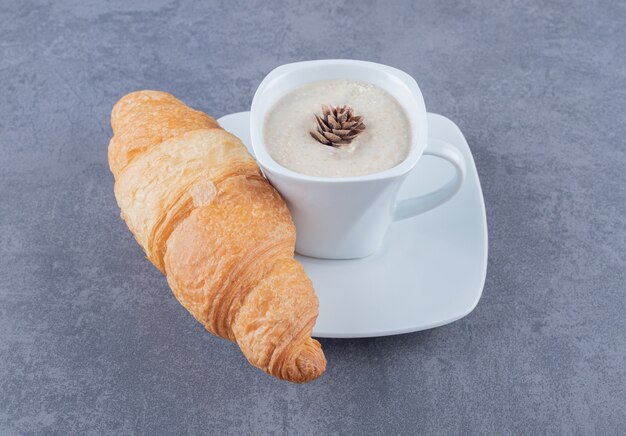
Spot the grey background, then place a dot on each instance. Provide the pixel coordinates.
(92, 340)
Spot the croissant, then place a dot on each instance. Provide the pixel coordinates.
(200, 208)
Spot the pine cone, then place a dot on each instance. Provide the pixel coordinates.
(338, 126)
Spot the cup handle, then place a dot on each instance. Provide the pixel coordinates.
(417, 205)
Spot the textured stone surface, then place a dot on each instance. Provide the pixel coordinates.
(91, 339)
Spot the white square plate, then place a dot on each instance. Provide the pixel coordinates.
(431, 269)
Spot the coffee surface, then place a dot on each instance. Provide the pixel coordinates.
(383, 144)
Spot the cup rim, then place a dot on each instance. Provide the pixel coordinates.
(268, 163)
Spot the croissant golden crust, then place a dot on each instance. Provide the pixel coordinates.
(143, 119)
(198, 205)
(155, 192)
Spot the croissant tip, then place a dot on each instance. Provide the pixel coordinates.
(309, 365)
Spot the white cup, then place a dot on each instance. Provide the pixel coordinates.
(348, 217)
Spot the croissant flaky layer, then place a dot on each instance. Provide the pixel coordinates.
(198, 205)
